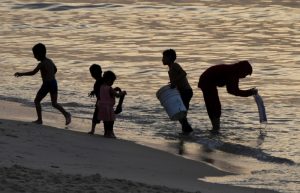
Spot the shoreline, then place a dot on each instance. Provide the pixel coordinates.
(62, 151)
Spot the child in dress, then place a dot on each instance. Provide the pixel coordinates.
(96, 73)
(106, 102)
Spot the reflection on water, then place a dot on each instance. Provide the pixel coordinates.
(211, 143)
(128, 38)
(261, 137)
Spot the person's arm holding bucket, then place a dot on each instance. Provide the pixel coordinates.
(176, 74)
(178, 80)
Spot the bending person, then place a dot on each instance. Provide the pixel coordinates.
(218, 76)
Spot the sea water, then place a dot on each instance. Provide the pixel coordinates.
(128, 38)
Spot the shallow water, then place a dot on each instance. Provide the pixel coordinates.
(128, 38)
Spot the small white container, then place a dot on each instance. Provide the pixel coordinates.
(171, 100)
(261, 108)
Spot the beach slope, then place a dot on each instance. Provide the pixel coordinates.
(43, 158)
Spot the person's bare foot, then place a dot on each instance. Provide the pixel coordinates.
(110, 135)
(40, 122)
(68, 119)
(91, 132)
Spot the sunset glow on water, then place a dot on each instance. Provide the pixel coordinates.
(128, 37)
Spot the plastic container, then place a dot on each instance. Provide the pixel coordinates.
(171, 100)
(261, 108)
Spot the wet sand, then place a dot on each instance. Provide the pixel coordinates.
(43, 158)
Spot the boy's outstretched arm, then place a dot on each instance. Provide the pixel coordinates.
(30, 73)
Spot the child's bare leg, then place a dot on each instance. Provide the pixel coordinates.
(186, 127)
(108, 127)
(105, 126)
(95, 121)
(93, 128)
(38, 107)
(60, 108)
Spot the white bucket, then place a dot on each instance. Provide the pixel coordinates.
(171, 100)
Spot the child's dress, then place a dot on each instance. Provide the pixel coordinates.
(106, 103)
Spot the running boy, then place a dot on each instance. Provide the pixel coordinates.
(49, 85)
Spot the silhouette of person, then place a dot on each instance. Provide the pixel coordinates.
(178, 79)
(49, 85)
(106, 103)
(218, 76)
(96, 73)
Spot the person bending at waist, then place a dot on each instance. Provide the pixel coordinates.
(218, 76)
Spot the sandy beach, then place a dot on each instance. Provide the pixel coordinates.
(44, 158)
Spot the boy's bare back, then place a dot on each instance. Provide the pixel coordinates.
(48, 69)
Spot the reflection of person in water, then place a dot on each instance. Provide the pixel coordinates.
(219, 76)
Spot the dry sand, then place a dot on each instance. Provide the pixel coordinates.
(43, 158)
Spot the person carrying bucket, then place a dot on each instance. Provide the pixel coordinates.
(178, 80)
